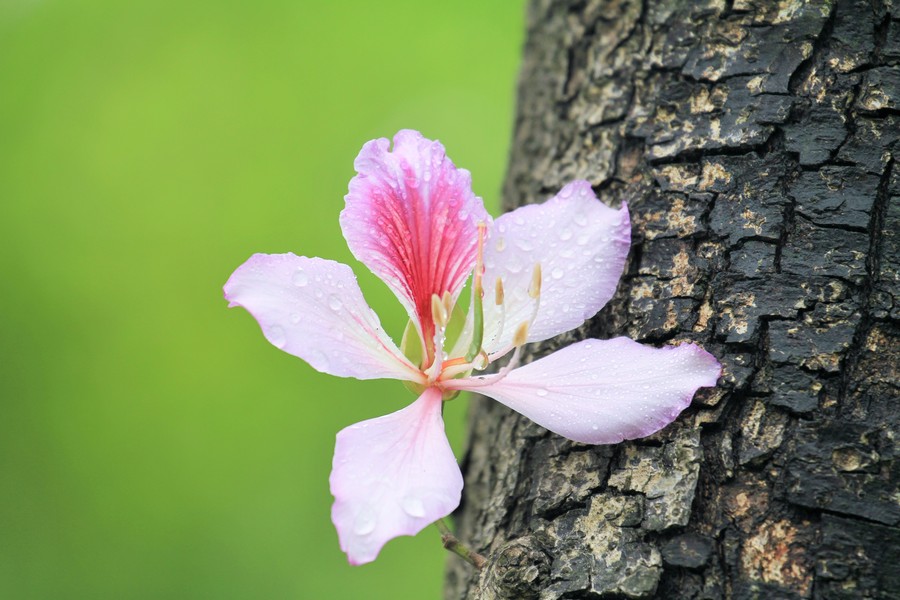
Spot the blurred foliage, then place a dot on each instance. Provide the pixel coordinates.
(152, 444)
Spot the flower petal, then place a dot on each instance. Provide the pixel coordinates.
(411, 217)
(313, 308)
(604, 391)
(581, 245)
(392, 476)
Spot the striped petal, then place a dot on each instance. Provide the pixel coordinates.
(411, 217)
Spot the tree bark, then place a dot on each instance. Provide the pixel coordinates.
(754, 142)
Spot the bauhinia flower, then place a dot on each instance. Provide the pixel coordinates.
(411, 217)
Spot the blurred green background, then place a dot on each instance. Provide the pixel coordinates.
(152, 444)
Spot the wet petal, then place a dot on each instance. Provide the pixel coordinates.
(604, 391)
(411, 217)
(313, 308)
(392, 476)
(581, 245)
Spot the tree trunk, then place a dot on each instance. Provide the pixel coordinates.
(754, 142)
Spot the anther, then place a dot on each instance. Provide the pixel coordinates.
(447, 301)
(498, 292)
(438, 312)
(534, 290)
(521, 334)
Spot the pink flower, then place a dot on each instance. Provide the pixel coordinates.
(411, 218)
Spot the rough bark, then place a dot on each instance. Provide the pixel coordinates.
(755, 143)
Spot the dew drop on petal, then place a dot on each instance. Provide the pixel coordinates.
(413, 507)
(364, 523)
(558, 273)
(334, 303)
(276, 336)
(317, 359)
(565, 235)
(300, 278)
(541, 392)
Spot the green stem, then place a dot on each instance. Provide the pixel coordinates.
(452, 544)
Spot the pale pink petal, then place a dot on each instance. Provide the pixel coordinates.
(392, 476)
(581, 245)
(603, 391)
(411, 217)
(313, 308)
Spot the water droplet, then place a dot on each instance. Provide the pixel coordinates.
(364, 523)
(565, 235)
(334, 303)
(318, 360)
(276, 336)
(541, 392)
(413, 507)
(300, 277)
(582, 239)
(557, 273)
(595, 427)
(581, 220)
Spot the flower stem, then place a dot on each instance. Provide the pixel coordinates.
(452, 544)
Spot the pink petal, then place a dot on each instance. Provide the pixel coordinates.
(411, 217)
(604, 391)
(392, 476)
(313, 308)
(581, 245)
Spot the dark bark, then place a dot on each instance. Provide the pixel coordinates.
(754, 142)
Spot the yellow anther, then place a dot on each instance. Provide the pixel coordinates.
(534, 290)
(498, 292)
(447, 301)
(521, 334)
(438, 313)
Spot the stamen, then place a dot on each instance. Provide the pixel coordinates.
(477, 296)
(438, 312)
(498, 292)
(484, 380)
(534, 290)
(433, 372)
(521, 334)
(447, 301)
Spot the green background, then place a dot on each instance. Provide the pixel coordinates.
(152, 444)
